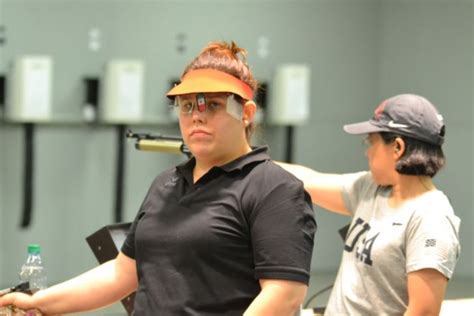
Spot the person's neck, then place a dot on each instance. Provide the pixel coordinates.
(408, 187)
(204, 164)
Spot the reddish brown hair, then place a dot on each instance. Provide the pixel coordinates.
(226, 57)
(229, 58)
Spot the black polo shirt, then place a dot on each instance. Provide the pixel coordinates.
(201, 247)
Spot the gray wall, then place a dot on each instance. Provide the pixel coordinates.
(359, 52)
(3, 167)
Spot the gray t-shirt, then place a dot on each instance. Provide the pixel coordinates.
(383, 244)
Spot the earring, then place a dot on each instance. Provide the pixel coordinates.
(246, 122)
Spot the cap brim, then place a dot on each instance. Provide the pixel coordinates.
(211, 80)
(362, 128)
(198, 86)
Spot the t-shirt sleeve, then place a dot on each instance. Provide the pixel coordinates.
(433, 241)
(355, 186)
(128, 247)
(282, 227)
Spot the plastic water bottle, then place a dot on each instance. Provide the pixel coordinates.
(33, 270)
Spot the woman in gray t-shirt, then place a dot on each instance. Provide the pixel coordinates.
(403, 242)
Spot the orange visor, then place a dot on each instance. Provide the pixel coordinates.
(211, 80)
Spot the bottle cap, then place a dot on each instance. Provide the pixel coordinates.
(34, 248)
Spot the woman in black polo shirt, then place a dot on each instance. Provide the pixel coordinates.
(228, 232)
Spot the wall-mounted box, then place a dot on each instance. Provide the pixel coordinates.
(2, 94)
(91, 98)
(121, 100)
(29, 89)
(289, 102)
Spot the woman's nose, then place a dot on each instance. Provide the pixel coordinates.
(198, 116)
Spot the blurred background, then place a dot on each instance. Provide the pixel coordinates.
(356, 52)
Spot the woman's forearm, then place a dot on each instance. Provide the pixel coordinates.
(278, 298)
(96, 288)
(91, 290)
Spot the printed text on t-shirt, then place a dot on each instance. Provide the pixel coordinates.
(363, 249)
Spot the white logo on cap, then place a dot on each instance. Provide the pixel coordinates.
(392, 124)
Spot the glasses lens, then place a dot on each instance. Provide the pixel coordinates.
(184, 105)
(210, 104)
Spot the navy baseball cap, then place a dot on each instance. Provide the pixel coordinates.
(405, 114)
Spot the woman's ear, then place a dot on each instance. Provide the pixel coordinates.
(399, 144)
(248, 112)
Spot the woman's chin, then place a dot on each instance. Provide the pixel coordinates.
(201, 151)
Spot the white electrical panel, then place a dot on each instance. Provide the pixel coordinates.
(289, 101)
(29, 89)
(122, 94)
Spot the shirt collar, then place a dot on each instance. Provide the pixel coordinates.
(258, 154)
